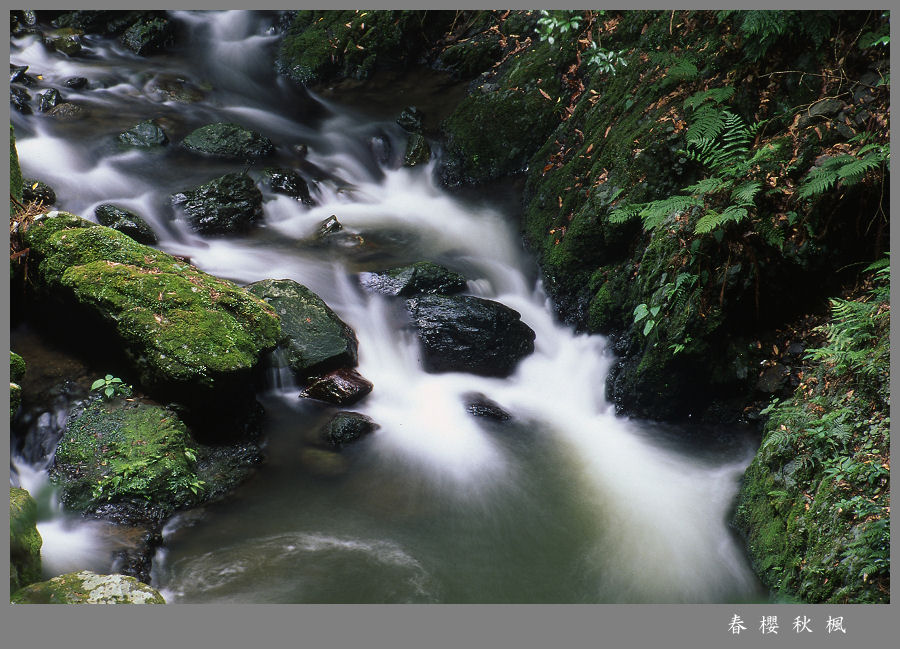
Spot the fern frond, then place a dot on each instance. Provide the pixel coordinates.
(625, 213)
(716, 95)
(818, 181)
(683, 70)
(744, 193)
(656, 212)
(708, 222)
(852, 172)
(707, 124)
(708, 186)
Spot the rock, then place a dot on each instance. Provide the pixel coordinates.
(22, 22)
(410, 120)
(15, 174)
(66, 40)
(417, 151)
(49, 99)
(19, 98)
(17, 74)
(24, 540)
(16, 367)
(331, 225)
(76, 83)
(772, 379)
(34, 191)
(145, 135)
(469, 334)
(478, 405)
(342, 387)
(87, 587)
(126, 222)
(346, 428)
(826, 107)
(231, 141)
(173, 88)
(795, 349)
(420, 278)
(186, 333)
(225, 205)
(147, 37)
(287, 181)
(322, 463)
(67, 112)
(314, 338)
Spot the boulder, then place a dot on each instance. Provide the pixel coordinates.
(87, 587)
(342, 387)
(145, 135)
(66, 40)
(148, 36)
(126, 222)
(34, 191)
(314, 338)
(67, 111)
(232, 141)
(49, 99)
(226, 205)
(167, 87)
(24, 540)
(417, 151)
(410, 120)
(19, 98)
(286, 181)
(15, 174)
(346, 428)
(185, 332)
(17, 75)
(462, 333)
(76, 83)
(478, 405)
(420, 278)
(16, 374)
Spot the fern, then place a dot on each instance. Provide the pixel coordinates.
(716, 95)
(708, 186)
(656, 212)
(846, 168)
(744, 193)
(711, 220)
(683, 70)
(707, 124)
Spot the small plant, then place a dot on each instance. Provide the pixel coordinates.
(110, 387)
(554, 24)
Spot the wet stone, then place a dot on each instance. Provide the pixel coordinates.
(346, 428)
(410, 120)
(126, 222)
(34, 191)
(67, 111)
(288, 182)
(76, 83)
(49, 99)
(342, 387)
(20, 99)
(146, 134)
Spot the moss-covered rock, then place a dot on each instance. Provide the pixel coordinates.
(226, 140)
(417, 151)
(24, 540)
(15, 173)
(228, 204)
(86, 587)
(146, 37)
(315, 339)
(186, 333)
(66, 40)
(144, 135)
(16, 374)
(126, 222)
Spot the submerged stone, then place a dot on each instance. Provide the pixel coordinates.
(225, 205)
(145, 135)
(67, 111)
(421, 278)
(225, 140)
(346, 428)
(87, 587)
(322, 463)
(76, 83)
(478, 405)
(314, 338)
(342, 387)
(410, 120)
(24, 540)
(126, 222)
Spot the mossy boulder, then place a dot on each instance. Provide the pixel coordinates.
(185, 332)
(24, 540)
(66, 40)
(16, 374)
(126, 222)
(226, 140)
(417, 151)
(87, 587)
(314, 338)
(421, 278)
(35, 191)
(144, 135)
(146, 37)
(228, 204)
(15, 173)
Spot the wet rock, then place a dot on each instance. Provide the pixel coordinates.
(172, 88)
(417, 151)
(19, 99)
(24, 540)
(149, 36)
(34, 191)
(795, 349)
(331, 225)
(226, 140)
(478, 405)
(772, 378)
(87, 587)
(826, 107)
(342, 387)
(146, 134)
(126, 222)
(410, 120)
(226, 205)
(17, 74)
(322, 463)
(420, 278)
(49, 99)
(67, 112)
(76, 83)
(286, 181)
(66, 41)
(22, 22)
(469, 334)
(346, 428)
(314, 338)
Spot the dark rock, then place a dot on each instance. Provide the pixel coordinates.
(147, 37)
(315, 339)
(17, 73)
(75, 83)
(19, 98)
(328, 226)
(826, 107)
(67, 41)
(287, 181)
(49, 99)
(225, 205)
(342, 387)
(772, 379)
(301, 149)
(346, 428)
(231, 141)
(146, 134)
(420, 278)
(36, 191)
(479, 405)
(67, 111)
(172, 88)
(469, 334)
(22, 22)
(417, 151)
(795, 349)
(126, 222)
(410, 120)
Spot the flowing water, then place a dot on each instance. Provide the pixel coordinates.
(566, 502)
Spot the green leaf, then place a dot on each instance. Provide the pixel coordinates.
(654, 311)
(640, 312)
(109, 392)
(98, 384)
(109, 377)
(649, 326)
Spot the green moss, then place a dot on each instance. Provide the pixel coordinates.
(88, 588)
(16, 367)
(24, 539)
(15, 173)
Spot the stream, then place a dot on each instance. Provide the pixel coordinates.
(565, 502)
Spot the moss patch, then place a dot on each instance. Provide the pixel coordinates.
(15, 173)
(24, 540)
(88, 588)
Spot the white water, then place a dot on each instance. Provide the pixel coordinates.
(656, 518)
